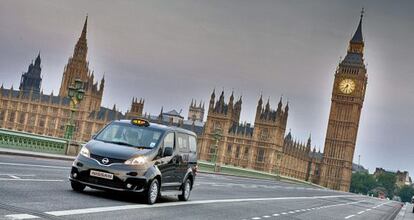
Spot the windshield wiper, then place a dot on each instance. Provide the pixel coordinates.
(121, 143)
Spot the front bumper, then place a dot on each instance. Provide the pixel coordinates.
(125, 177)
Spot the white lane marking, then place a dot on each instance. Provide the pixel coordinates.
(359, 213)
(8, 174)
(266, 216)
(256, 218)
(327, 206)
(21, 216)
(14, 177)
(349, 216)
(34, 180)
(276, 214)
(35, 165)
(368, 210)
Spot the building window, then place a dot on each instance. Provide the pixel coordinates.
(1, 115)
(260, 155)
(246, 152)
(22, 117)
(32, 119)
(52, 123)
(229, 149)
(12, 115)
(42, 121)
(237, 151)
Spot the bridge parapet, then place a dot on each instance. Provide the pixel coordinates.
(32, 142)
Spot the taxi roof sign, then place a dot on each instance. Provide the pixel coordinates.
(140, 122)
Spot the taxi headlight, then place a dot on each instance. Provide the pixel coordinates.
(85, 152)
(136, 161)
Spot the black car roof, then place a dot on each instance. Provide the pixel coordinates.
(162, 127)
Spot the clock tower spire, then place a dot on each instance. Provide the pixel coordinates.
(346, 105)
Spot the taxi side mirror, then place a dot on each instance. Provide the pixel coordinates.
(168, 151)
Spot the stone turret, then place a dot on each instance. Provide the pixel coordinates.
(31, 80)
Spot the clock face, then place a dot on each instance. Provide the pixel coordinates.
(347, 86)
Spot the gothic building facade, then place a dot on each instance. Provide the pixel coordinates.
(262, 146)
(29, 109)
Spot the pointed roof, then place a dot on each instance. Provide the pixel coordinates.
(357, 38)
(85, 28)
(38, 60)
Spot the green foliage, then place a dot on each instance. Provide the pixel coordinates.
(362, 183)
(387, 180)
(406, 193)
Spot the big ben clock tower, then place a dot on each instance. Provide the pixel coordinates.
(346, 105)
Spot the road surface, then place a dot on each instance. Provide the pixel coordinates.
(33, 188)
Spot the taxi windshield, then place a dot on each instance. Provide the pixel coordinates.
(130, 135)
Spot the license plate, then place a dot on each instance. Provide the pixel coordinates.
(103, 175)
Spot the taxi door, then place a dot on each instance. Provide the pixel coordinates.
(166, 164)
(183, 150)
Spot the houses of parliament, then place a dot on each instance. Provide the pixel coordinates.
(265, 145)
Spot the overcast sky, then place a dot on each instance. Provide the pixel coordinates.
(170, 52)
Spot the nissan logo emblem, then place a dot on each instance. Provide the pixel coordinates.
(105, 160)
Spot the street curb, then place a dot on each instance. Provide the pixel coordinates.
(4, 151)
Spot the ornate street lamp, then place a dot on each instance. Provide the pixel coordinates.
(76, 94)
(217, 135)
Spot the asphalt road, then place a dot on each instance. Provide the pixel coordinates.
(38, 188)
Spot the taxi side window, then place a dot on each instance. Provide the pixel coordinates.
(182, 143)
(193, 144)
(169, 141)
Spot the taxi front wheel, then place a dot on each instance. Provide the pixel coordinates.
(78, 187)
(153, 191)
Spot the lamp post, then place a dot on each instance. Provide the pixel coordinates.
(75, 94)
(216, 136)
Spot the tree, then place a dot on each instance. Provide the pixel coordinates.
(362, 183)
(406, 193)
(387, 180)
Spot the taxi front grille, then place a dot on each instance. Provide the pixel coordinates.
(110, 159)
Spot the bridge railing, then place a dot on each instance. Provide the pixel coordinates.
(32, 142)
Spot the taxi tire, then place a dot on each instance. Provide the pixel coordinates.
(185, 190)
(150, 192)
(78, 187)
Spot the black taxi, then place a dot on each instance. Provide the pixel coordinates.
(138, 156)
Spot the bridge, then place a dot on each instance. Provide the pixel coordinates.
(32, 187)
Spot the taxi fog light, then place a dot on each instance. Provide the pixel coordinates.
(84, 152)
(129, 185)
(75, 175)
(136, 161)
